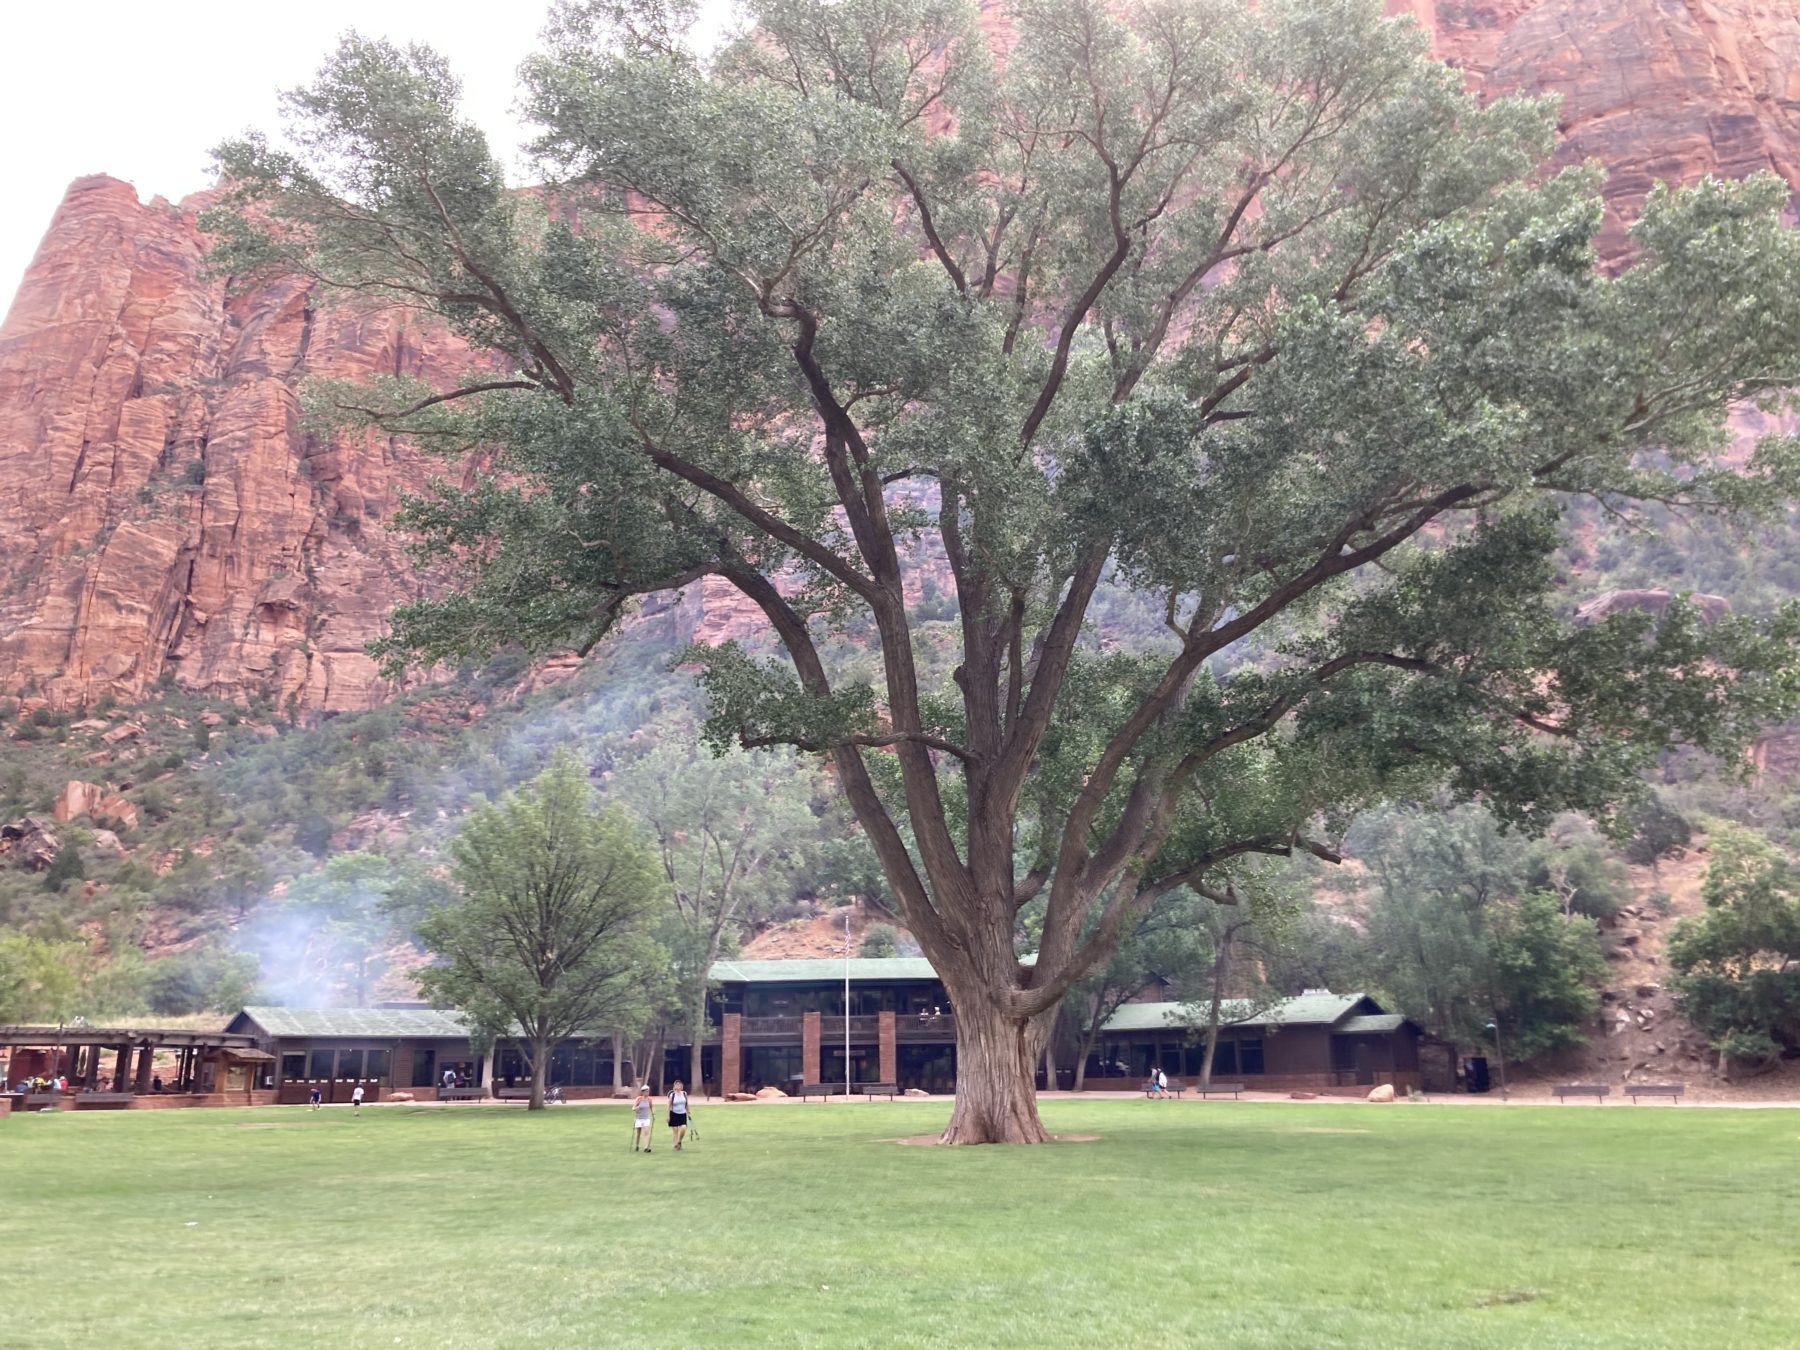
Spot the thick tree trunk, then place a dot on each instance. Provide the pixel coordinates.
(540, 1070)
(1221, 972)
(696, 1083)
(656, 1058)
(1087, 1047)
(618, 1049)
(996, 1075)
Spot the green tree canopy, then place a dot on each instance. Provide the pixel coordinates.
(733, 833)
(1738, 964)
(548, 938)
(1457, 936)
(1249, 308)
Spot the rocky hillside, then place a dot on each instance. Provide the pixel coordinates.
(164, 519)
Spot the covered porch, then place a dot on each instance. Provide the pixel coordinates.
(124, 1067)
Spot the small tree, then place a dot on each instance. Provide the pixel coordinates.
(1457, 937)
(1657, 832)
(879, 940)
(730, 832)
(1171, 943)
(549, 936)
(1738, 963)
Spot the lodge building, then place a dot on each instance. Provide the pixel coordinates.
(771, 1024)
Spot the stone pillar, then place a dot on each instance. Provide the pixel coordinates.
(890, 1050)
(809, 1047)
(731, 1054)
(146, 1065)
(121, 1069)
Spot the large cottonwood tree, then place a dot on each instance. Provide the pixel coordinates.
(1247, 308)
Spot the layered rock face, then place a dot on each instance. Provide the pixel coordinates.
(163, 516)
(1653, 89)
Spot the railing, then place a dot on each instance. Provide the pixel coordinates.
(907, 1027)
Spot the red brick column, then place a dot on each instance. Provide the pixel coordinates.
(731, 1055)
(890, 1053)
(809, 1047)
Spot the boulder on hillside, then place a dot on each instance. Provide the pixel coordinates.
(90, 799)
(29, 843)
(1384, 1093)
(77, 799)
(740, 1096)
(769, 1094)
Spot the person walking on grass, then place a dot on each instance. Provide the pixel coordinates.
(317, 1098)
(678, 1112)
(640, 1119)
(356, 1100)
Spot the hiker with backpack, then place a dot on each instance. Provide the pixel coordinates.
(678, 1112)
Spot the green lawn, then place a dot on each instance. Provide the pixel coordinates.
(1224, 1223)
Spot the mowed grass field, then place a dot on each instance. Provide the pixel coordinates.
(1220, 1224)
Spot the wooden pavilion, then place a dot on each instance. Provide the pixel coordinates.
(118, 1067)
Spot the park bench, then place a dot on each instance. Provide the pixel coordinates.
(37, 1101)
(874, 1090)
(1672, 1091)
(1175, 1088)
(512, 1094)
(1235, 1089)
(1598, 1091)
(462, 1094)
(104, 1101)
(815, 1090)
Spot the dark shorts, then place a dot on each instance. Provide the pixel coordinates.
(677, 1118)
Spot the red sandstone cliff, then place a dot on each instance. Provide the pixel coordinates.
(161, 512)
(125, 377)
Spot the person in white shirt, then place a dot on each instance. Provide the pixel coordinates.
(356, 1100)
(678, 1113)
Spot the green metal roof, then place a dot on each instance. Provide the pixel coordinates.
(372, 1023)
(1309, 1009)
(1370, 1023)
(823, 969)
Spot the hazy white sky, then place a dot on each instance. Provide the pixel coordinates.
(142, 92)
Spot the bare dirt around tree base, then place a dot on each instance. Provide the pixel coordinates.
(922, 1139)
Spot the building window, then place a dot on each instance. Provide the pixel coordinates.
(1250, 1055)
(424, 1072)
(320, 1066)
(350, 1064)
(376, 1066)
(292, 1067)
(771, 1066)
